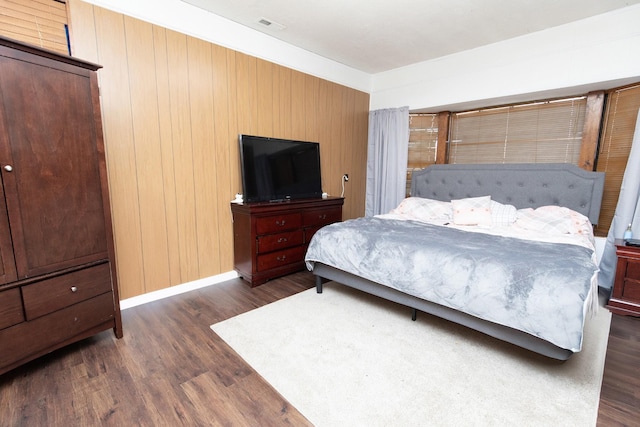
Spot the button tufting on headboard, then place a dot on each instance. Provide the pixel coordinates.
(522, 185)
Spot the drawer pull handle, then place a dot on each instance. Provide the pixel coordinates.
(323, 216)
(282, 240)
(280, 223)
(282, 258)
(74, 289)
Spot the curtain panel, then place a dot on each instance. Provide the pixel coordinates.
(627, 212)
(386, 159)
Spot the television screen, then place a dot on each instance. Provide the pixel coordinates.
(276, 169)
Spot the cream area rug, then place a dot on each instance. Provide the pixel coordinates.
(345, 358)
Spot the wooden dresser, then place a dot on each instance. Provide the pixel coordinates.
(271, 239)
(57, 271)
(625, 296)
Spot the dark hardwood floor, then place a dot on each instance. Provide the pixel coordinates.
(170, 369)
(620, 392)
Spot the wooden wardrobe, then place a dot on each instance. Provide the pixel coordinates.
(57, 272)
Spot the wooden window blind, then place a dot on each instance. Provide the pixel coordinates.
(537, 132)
(615, 144)
(41, 23)
(423, 141)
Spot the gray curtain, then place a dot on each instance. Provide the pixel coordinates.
(387, 159)
(627, 212)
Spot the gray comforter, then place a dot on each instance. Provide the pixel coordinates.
(536, 287)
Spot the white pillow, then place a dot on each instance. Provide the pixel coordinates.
(549, 219)
(581, 224)
(423, 209)
(502, 215)
(472, 211)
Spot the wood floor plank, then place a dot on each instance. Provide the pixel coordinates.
(620, 391)
(170, 369)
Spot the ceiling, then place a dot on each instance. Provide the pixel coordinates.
(374, 36)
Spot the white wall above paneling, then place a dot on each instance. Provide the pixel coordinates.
(595, 53)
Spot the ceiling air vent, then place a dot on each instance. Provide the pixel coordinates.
(272, 25)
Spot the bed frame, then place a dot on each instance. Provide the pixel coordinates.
(521, 185)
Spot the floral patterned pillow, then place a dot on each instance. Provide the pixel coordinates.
(472, 211)
(554, 220)
(422, 209)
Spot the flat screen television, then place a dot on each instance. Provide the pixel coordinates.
(275, 170)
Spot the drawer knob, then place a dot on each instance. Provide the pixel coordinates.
(282, 258)
(8, 168)
(74, 289)
(282, 240)
(280, 223)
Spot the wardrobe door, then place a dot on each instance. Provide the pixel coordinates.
(7, 264)
(53, 191)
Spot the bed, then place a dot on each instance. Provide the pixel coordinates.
(518, 263)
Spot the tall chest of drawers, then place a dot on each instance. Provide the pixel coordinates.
(271, 239)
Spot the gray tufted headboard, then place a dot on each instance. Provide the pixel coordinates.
(524, 185)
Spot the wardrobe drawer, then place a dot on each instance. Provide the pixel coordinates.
(49, 295)
(277, 259)
(29, 338)
(274, 242)
(276, 223)
(10, 308)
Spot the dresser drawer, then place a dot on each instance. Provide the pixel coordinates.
(631, 290)
(28, 338)
(277, 259)
(633, 270)
(53, 294)
(275, 242)
(276, 223)
(319, 217)
(10, 308)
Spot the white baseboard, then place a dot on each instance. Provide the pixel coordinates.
(175, 290)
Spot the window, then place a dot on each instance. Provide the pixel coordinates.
(615, 144)
(565, 130)
(538, 132)
(42, 23)
(423, 141)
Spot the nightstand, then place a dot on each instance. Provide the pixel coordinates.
(625, 296)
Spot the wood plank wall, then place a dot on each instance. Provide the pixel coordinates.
(173, 106)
